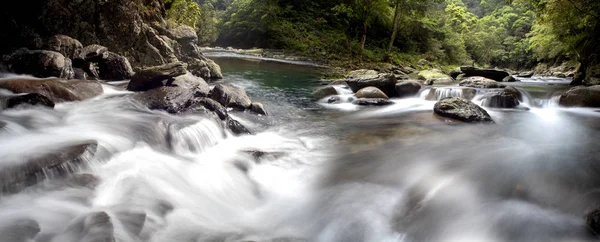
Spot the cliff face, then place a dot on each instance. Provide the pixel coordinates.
(136, 29)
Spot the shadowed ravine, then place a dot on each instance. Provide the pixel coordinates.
(311, 171)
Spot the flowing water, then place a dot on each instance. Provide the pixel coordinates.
(326, 172)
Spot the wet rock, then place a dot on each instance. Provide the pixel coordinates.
(510, 79)
(40, 63)
(495, 75)
(500, 100)
(67, 46)
(57, 163)
(57, 90)
(323, 92)
(372, 102)
(581, 97)
(334, 99)
(370, 92)
(407, 88)
(22, 230)
(236, 127)
(359, 79)
(80, 74)
(258, 108)
(434, 76)
(231, 96)
(115, 68)
(461, 109)
(189, 81)
(93, 53)
(29, 99)
(83, 180)
(525, 74)
(480, 82)
(211, 105)
(156, 76)
(592, 219)
(167, 98)
(514, 91)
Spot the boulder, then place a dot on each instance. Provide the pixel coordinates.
(455, 73)
(41, 63)
(167, 98)
(231, 96)
(323, 92)
(57, 90)
(581, 97)
(64, 160)
(372, 102)
(189, 81)
(215, 70)
(434, 76)
(407, 88)
(334, 99)
(183, 33)
(114, 68)
(29, 99)
(370, 92)
(500, 100)
(514, 91)
(510, 79)
(157, 76)
(357, 80)
(592, 75)
(528, 74)
(210, 105)
(496, 75)
(461, 109)
(93, 53)
(258, 108)
(67, 46)
(480, 82)
(236, 127)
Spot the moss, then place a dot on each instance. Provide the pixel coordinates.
(432, 74)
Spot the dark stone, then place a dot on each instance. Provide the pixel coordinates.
(167, 98)
(581, 97)
(258, 108)
(455, 73)
(372, 102)
(480, 82)
(236, 127)
(80, 74)
(407, 88)
(514, 91)
(231, 96)
(54, 164)
(156, 76)
(40, 63)
(93, 53)
(67, 46)
(592, 219)
(189, 81)
(323, 92)
(368, 78)
(211, 105)
(495, 75)
(114, 68)
(334, 99)
(461, 109)
(57, 90)
(500, 100)
(30, 99)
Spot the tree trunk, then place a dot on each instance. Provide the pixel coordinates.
(395, 29)
(363, 39)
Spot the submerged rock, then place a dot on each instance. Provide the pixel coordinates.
(323, 92)
(372, 102)
(370, 92)
(236, 127)
(41, 63)
(495, 75)
(21, 230)
(359, 79)
(67, 46)
(115, 68)
(500, 100)
(461, 109)
(156, 76)
(231, 96)
(407, 88)
(480, 82)
(581, 97)
(57, 90)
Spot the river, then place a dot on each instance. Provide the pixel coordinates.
(326, 172)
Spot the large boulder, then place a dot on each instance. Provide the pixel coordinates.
(325, 91)
(500, 100)
(370, 92)
(210, 105)
(41, 63)
(26, 99)
(157, 76)
(372, 102)
(434, 76)
(57, 90)
(480, 82)
(359, 79)
(93, 53)
(514, 91)
(189, 81)
(65, 45)
(236, 127)
(231, 96)
(182, 33)
(496, 75)
(407, 88)
(581, 97)
(461, 109)
(115, 67)
(171, 99)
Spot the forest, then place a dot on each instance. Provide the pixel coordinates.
(499, 33)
